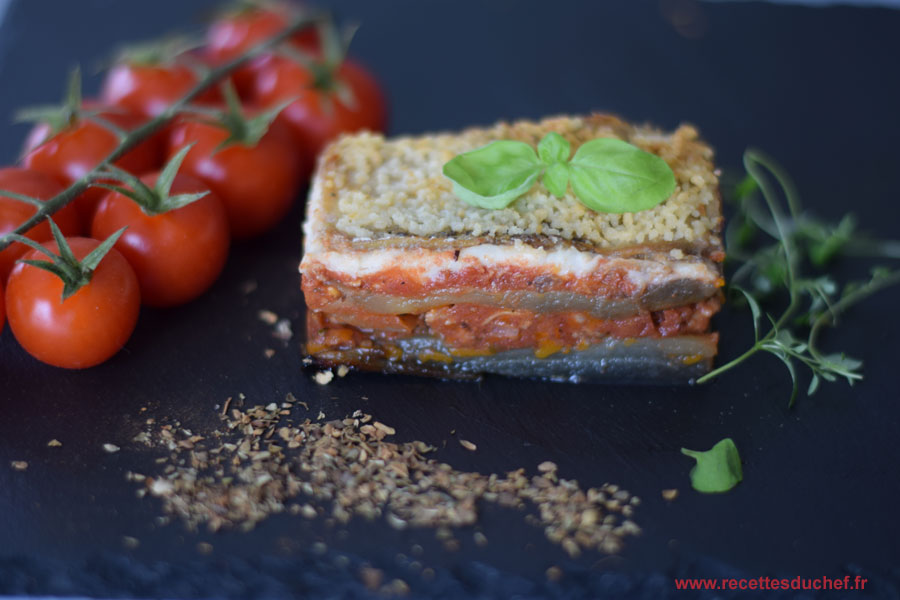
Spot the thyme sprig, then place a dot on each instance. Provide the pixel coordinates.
(791, 262)
(133, 138)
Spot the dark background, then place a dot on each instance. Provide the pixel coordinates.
(816, 88)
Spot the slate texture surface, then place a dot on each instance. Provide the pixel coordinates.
(817, 88)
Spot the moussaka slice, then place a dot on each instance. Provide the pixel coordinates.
(401, 275)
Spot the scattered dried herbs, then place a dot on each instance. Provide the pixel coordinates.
(260, 462)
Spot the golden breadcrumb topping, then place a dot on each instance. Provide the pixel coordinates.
(376, 188)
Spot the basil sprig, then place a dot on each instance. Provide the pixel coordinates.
(607, 174)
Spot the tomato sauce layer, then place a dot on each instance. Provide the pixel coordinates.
(478, 329)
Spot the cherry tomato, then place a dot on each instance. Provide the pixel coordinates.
(71, 153)
(85, 329)
(176, 255)
(240, 30)
(148, 89)
(14, 212)
(257, 184)
(318, 116)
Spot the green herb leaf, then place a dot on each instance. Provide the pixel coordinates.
(609, 175)
(745, 187)
(556, 179)
(494, 175)
(554, 148)
(771, 271)
(718, 469)
(754, 309)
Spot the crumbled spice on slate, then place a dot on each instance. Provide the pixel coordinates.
(397, 587)
(283, 330)
(54, 443)
(267, 317)
(18, 465)
(262, 462)
(670, 494)
(268, 353)
(130, 542)
(111, 448)
(204, 548)
(371, 577)
(468, 445)
(323, 377)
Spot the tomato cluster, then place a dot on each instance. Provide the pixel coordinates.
(241, 158)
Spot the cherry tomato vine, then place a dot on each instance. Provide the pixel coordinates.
(98, 167)
(130, 140)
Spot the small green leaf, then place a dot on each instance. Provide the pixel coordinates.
(73, 89)
(259, 125)
(554, 148)
(167, 176)
(137, 190)
(90, 262)
(718, 469)
(795, 385)
(180, 201)
(609, 175)
(49, 266)
(344, 94)
(232, 100)
(745, 188)
(60, 116)
(813, 385)
(156, 52)
(755, 310)
(556, 179)
(65, 251)
(494, 175)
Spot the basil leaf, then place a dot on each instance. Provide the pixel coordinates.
(609, 175)
(556, 179)
(718, 469)
(494, 175)
(554, 148)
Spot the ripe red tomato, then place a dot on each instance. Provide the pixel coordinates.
(85, 329)
(148, 89)
(71, 153)
(176, 255)
(313, 121)
(257, 184)
(240, 30)
(14, 212)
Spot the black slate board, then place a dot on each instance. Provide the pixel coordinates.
(818, 88)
